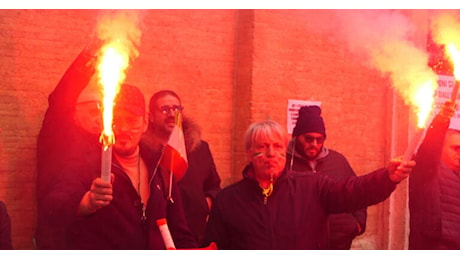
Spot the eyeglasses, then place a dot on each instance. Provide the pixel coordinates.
(310, 139)
(167, 109)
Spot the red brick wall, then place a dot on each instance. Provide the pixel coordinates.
(229, 67)
(36, 47)
(309, 63)
(298, 54)
(190, 52)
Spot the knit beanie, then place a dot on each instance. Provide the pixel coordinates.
(309, 120)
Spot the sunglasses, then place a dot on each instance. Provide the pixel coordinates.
(168, 109)
(310, 139)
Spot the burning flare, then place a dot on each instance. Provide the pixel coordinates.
(111, 74)
(121, 36)
(445, 27)
(454, 55)
(423, 100)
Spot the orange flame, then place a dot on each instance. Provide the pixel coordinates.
(119, 30)
(423, 99)
(454, 55)
(111, 74)
(445, 27)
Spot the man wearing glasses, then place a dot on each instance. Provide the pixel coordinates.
(71, 127)
(121, 214)
(200, 182)
(307, 152)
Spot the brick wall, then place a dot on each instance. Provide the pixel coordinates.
(37, 45)
(190, 52)
(308, 62)
(230, 67)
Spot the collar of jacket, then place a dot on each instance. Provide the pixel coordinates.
(249, 168)
(191, 130)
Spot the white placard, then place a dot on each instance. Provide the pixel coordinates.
(293, 111)
(443, 93)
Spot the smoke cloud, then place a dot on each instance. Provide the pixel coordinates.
(384, 40)
(123, 26)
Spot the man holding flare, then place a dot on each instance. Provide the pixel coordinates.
(274, 208)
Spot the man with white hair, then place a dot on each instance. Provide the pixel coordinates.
(274, 208)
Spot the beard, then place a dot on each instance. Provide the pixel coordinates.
(125, 151)
(162, 128)
(125, 145)
(311, 152)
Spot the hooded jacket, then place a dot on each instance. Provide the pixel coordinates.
(201, 179)
(295, 215)
(343, 227)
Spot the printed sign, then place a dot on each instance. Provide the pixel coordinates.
(443, 93)
(293, 111)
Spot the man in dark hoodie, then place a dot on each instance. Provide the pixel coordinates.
(200, 182)
(274, 208)
(307, 153)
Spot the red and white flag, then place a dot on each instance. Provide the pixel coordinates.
(174, 154)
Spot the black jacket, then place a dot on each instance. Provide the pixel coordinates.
(201, 179)
(343, 227)
(60, 139)
(295, 215)
(5, 228)
(434, 195)
(121, 224)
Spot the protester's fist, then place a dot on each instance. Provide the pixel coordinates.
(447, 110)
(398, 170)
(100, 195)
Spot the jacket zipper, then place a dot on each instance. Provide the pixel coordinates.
(144, 206)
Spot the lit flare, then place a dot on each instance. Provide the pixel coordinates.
(111, 74)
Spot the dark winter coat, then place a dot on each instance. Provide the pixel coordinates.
(59, 134)
(343, 227)
(60, 139)
(201, 179)
(5, 228)
(434, 195)
(121, 224)
(295, 215)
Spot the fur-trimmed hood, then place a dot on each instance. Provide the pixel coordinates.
(192, 135)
